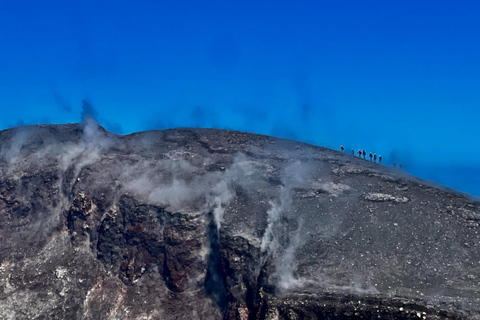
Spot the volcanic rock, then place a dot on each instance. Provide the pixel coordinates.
(218, 224)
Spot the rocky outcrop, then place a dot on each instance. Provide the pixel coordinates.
(215, 224)
(382, 197)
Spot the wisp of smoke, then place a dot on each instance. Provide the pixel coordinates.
(215, 189)
(149, 181)
(294, 175)
(219, 198)
(286, 266)
(240, 173)
(269, 243)
(12, 152)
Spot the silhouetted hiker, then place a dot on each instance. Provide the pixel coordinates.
(370, 155)
(342, 148)
(353, 152)
(364, 154)
(399, 166)
(359, 153)
(375, 157)
(394, 164)
(380, 159)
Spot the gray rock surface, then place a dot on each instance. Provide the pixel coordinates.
(216, 224)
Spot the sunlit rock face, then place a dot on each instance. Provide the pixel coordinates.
(215, 224)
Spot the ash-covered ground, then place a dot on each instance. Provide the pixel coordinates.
(216, 224)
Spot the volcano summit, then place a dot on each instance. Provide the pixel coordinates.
(216, 224)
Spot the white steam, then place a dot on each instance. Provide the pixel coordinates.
(215, 189)
(286, 266)
(240, 173)
(11, 152)
(94, 142)
(40, 151)
(294, 175)
(150, 182)
(221, 195)
(269, 242)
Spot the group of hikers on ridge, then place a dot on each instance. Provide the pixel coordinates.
(373, 157)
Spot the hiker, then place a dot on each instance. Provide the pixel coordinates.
(375, 157)
(399, 166)
(394, 164)
(370, 155)
(359, 153)
(380, 158)
(342, 148)
(364, 154)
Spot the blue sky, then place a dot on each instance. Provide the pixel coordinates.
(401, 79)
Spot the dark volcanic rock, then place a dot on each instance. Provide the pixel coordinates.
(214, 224)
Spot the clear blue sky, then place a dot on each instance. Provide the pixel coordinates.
(400, 78)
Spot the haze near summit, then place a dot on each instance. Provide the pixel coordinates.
(401, 80)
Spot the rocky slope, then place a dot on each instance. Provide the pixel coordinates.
(215, 224)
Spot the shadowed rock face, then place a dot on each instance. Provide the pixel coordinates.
(215, 224)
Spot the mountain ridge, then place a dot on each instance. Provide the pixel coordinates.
(217, 224)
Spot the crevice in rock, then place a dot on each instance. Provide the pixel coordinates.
(252, 300)
(166, 274)
(256, 302)
(215, 283)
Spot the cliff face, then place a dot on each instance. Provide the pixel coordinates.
(213, 224)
